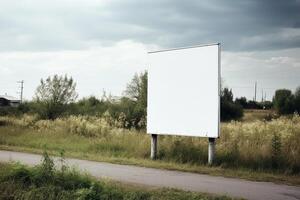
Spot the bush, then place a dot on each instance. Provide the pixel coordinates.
(25, 107)
(284, 101)
(276, 150)
(242, 101)
(297, 100)
(229, 109)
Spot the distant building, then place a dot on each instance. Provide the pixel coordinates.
(9, 101)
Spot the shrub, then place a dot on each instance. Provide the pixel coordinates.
(297, 100)
(276, 150)
(229, 109)
(284, 101)
(47, 166)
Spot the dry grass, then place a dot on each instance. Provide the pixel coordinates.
(260, 150)
(251, 115)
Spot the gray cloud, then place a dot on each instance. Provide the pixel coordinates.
(248, 25)
(102, 43)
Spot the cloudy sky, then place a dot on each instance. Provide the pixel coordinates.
(103, 43)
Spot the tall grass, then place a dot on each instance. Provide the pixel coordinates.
(256, 145)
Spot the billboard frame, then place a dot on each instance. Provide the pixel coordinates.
(211, 140)
(219, 82)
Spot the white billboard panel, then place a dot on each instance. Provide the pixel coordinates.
(183, 91)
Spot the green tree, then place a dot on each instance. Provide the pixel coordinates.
(53, 94)
(226, 95)
(137, 89)
(297, 100)
(229, 109)
(137, 92)
(284, 101)
(241, 101)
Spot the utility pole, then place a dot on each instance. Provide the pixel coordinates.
(262, 95)
(255, 91)
(21, 88)
(265, 96)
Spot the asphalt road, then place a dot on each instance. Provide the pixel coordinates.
(172, 179)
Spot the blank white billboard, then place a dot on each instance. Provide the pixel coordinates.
(183, 91)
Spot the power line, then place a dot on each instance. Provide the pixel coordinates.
(250, 87)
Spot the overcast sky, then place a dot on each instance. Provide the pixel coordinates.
(101, 44)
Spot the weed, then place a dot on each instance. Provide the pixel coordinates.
(21, 182)
(254, 145)
(276, 150)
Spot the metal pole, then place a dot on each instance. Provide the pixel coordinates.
(21, 92)
(22, 87)
(211, 150)
(153, 146)
(255, 91)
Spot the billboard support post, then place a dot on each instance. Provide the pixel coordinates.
(153, 146)
(211, 150)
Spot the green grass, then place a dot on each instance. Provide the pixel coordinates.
(44, 182)
(244, 150)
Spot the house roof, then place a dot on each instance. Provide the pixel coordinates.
(10, 98)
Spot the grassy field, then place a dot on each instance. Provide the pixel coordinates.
(44, 182)
(251, 115)
(254, 149)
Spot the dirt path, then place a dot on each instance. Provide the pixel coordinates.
(173, 179)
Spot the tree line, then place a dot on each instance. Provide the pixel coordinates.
(287, 102)
(56, 97)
